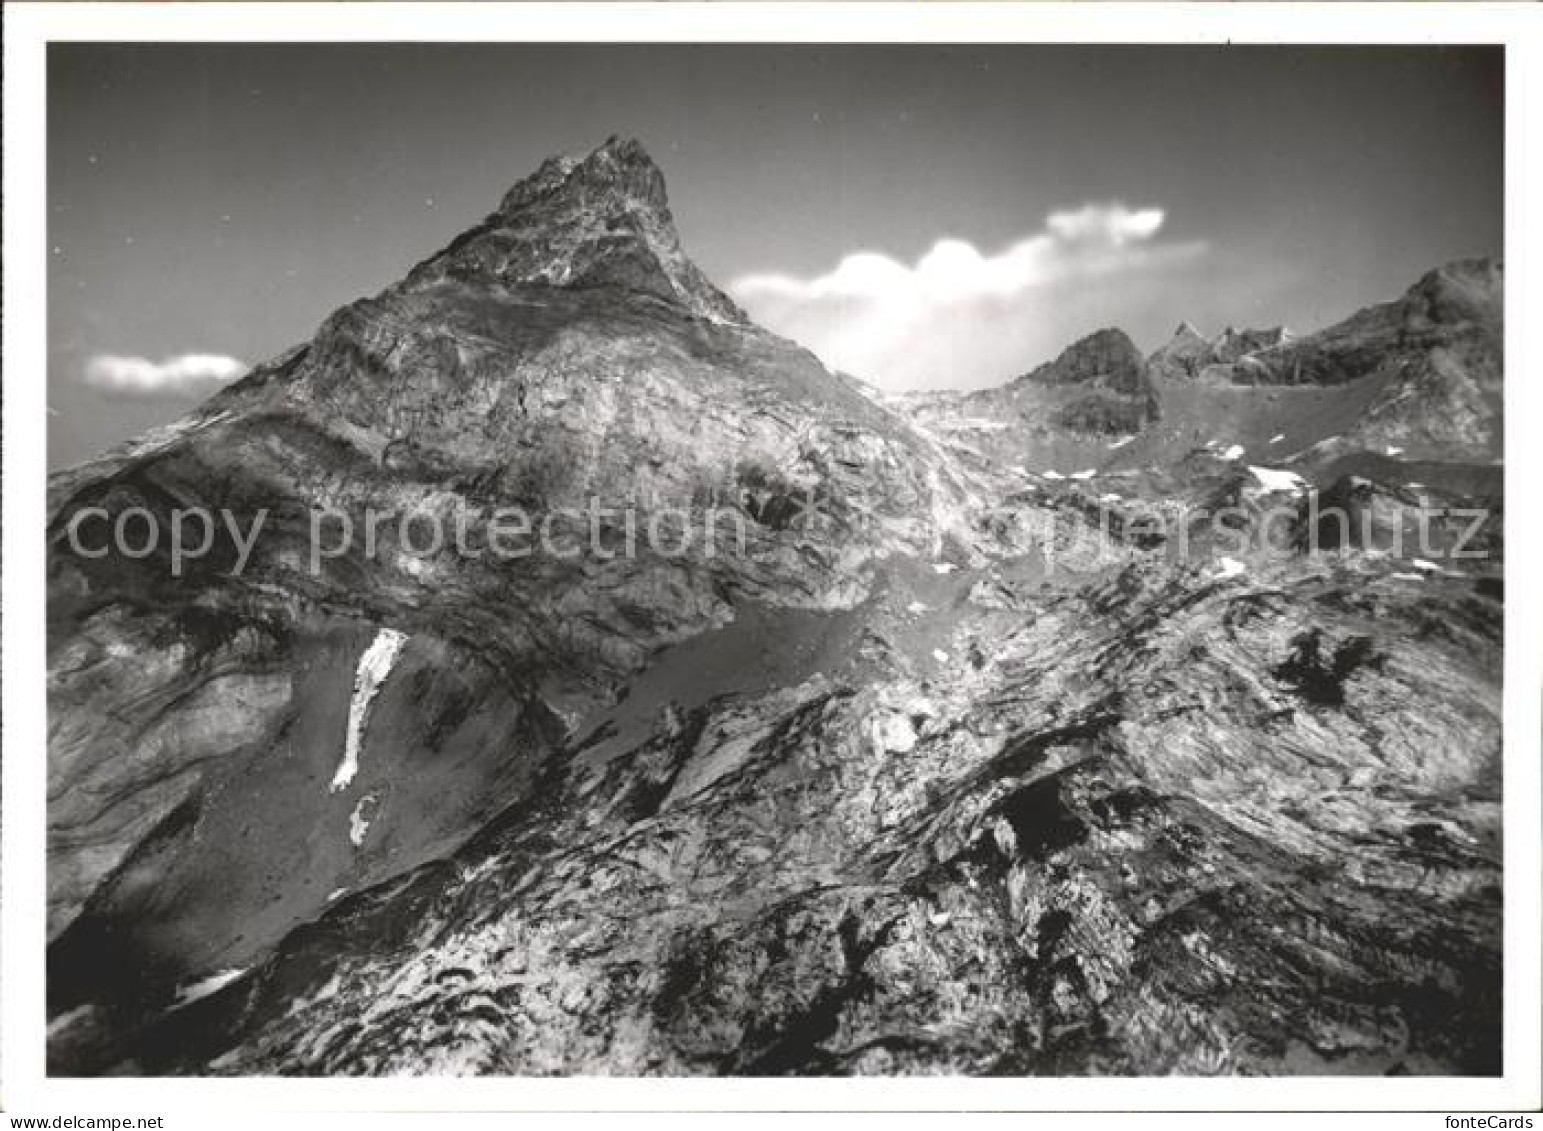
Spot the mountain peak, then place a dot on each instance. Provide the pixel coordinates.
(1464, 290)
(1233, 343)
(1104, 357)
(620, 170)
(596, 222)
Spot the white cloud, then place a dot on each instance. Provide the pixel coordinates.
(186, 375)
(1113, 224)
(958, 317)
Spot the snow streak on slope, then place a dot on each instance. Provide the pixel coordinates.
(374, 666)
(201, 989)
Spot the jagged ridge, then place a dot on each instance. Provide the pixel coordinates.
(603, 221)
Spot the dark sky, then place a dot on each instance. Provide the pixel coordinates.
(222, 200)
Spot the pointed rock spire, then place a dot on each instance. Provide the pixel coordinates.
(600, 222)
(618, 175)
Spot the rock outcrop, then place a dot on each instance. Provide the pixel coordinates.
(1434, 357)
(1182, 356)
(600, 222)
(1115, 395)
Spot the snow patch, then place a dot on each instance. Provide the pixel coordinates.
(1392, 451)
(1276, 479)
(1053, 475)
(1229, 567)
(1429, 567)
(374, 666)
(359, 821)
(916, 607)
(1234, 452)
(65, 1020)
(1277, 438)
(414, 566)
(1118, 444)
(943, 567)
(202, 988)
(940, 656)
(894, 734)
(978, 423)
(1088, 474)
(1408, 576)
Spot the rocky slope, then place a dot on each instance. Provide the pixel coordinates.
(1097, 392)
(960, 763)
(1434, 357)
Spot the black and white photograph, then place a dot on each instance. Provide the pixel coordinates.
(578, 560)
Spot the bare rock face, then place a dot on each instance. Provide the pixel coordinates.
(1232, 344)
(1117, 395)
(1107, 359)
(950, 764)
(602, 221)
(536, 370)
(1436, 355)
(1168, 825)
(1096, 392)
(1374, 507)
(1188, 355)
(1183, 356)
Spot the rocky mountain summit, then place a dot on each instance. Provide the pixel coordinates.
(1188, 354)
(1115, 394)
(1042, 730)
(602, 221)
